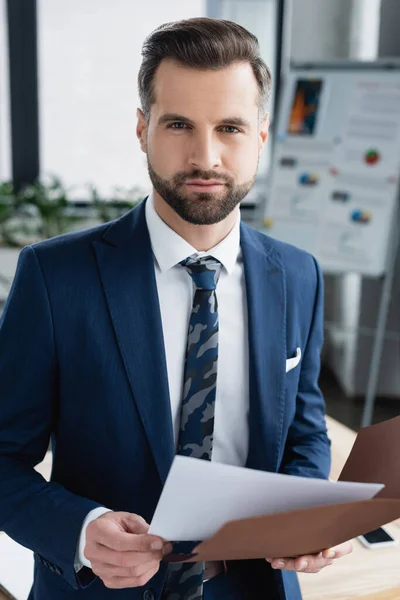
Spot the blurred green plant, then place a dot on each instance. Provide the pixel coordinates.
(122, 201)
(8, 208)
(49, 203)
(43, 209)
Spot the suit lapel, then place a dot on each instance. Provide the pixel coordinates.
(125, 261)
(266, 300)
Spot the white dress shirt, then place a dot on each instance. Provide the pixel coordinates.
(175, 291)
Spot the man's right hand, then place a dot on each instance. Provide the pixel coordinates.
(121, 551)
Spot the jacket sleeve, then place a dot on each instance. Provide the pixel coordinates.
(307, 451)
(41, 516)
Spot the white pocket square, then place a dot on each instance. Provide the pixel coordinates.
(291, 363)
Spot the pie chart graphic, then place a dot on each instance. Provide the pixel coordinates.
(308, 179)
(372, 156)
(361, 216)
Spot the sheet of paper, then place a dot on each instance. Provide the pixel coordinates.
(200, 496)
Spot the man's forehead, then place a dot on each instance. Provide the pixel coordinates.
(175, 68)
(175, 85)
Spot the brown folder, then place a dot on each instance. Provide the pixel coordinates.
(375, 458)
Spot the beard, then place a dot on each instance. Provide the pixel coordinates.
(200, 208)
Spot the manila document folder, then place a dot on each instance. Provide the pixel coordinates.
(375, 458)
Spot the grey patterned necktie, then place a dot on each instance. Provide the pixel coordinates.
(185, 580)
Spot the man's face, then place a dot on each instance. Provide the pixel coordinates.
(203, 139)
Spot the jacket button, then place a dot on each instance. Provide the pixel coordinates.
(148, 595)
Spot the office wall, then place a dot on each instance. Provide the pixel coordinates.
(320, 29)
(389, 39)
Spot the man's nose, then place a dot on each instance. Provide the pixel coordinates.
(205, 152)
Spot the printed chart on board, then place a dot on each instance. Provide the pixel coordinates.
(335, 173)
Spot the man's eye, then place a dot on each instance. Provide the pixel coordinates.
(177, 125)
(181, 126)
(231, 129)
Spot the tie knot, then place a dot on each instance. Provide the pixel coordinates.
(204, 271)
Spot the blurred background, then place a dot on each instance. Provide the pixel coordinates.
(69, 157)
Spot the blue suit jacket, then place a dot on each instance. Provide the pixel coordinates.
(82, 362)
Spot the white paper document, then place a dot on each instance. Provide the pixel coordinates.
(200, 496)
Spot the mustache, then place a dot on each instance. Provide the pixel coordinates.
(203, 175)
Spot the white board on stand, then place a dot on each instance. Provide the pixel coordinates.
(335, 170)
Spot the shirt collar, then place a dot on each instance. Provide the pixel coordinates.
(170, 249)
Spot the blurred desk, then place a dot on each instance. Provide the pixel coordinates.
(365, 574)
(387, 595)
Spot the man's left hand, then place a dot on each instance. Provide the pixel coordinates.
(312, 563)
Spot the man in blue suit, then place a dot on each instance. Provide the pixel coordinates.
(96, 354)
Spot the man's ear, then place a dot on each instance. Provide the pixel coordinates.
(141, 130)
(264, 132)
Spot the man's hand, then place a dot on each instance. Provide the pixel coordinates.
(312, 563)
(121, 552)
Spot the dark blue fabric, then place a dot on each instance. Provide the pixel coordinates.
(244, 580)
(82, 362)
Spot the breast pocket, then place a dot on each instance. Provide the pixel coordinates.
(294, 362)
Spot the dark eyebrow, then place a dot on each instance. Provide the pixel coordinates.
(172, 117)
(236, 121)
(168, 117)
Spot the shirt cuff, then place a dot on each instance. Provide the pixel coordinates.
(80, 558)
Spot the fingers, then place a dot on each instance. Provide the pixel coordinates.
(130, 582)
(338, 551)
(311, 563)
(114, 530)
(106, 571)
(128, 559)
(121, 552)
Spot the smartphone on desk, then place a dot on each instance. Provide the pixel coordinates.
(378, 538)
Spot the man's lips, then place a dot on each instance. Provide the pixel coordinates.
(204, 183)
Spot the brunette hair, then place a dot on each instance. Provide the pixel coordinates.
(201, 43)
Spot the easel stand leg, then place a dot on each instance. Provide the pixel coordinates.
(380, 332)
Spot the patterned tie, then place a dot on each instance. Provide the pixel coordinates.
(185, 580)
